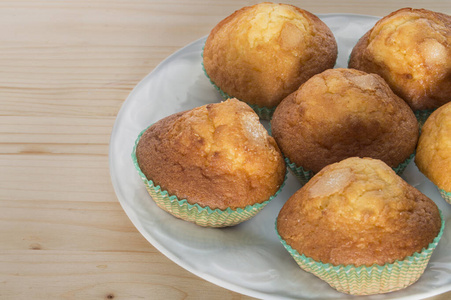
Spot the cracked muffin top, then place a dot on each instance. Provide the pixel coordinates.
(217, 155)
(433, 156)
(358, 212)
(411, 50)
(342, 113)
(262, 53)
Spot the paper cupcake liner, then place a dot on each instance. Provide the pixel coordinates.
(364, 280)
(446, 195)
(402, 166)
(304, 175)
(422, 116)
(300, 173)
(203, 216)
(263, 112)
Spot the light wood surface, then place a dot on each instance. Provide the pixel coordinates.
(66, 67)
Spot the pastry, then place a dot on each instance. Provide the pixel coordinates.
(261, 53)
(411, 50)
(215, 158)
(360, 227)
(341, 113)
(433, 155)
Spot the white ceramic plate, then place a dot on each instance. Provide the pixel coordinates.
(247, 258)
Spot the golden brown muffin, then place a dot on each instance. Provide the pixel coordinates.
(411, 50)
(217, 155)
(342, 113)
(358, 212)
(433, 156)
(262, 53)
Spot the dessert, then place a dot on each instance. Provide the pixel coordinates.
(411, 50)
(433, 155)
(217, 157)
(341, 113)
(261, 53)
(360, 227)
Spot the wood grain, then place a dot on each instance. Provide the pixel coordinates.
(66, 67)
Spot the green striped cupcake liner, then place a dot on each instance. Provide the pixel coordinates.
(304, 175)
(402, 166)
(422, 116)
(446, 195)
(300, 173)
(263, 112)
(364, 280)
(203, 216)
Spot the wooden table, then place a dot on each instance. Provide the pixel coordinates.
(66, 67)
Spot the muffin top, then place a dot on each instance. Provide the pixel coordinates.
(358, 212)
(341, 113)
(411, 50)
(261, 53)
(217, 155)
(433, 156)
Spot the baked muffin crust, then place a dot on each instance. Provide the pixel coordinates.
(433, 156)
(411, 50)
(217, 155)
(342, 113)
(261, 53)
(358, 212)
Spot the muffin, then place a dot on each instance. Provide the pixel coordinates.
(360, 227)
(433, 155)
(341, 113)
(262, 53)
(411, 50)
(214, 165)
